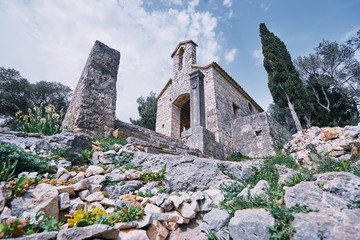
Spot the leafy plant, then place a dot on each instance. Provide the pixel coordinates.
(7, 170)
(122, 160)
(106, 143)
(129, 166)
(238, 157)
(108, 181)
(300, 177)
(29, 162)
(231, 190)
(61, 152)
(41, 223)
(239, 203)
(12, 228)
(154, 176)
(21, 185)
(87, 153)
(48, 123)
(212, 236)
(327, 163)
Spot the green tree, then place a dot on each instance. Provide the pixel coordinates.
(332, 75)
(285, 85)
(14, 91)
(147, 112)
(45, 93)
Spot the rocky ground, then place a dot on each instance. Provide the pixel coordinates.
(196, 197)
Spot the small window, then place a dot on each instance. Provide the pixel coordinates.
(163, 125)
(250, 107)
(258, 132)
(236, 111)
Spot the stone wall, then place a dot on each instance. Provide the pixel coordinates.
(92, 107)
(257, 135)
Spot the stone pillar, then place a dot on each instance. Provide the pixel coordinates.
(92, 107)
(197, 99)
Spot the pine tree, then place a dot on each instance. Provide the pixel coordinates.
(284, 82)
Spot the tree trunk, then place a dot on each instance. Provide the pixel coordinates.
(294, 115)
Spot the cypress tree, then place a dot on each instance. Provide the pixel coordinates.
(284, 82)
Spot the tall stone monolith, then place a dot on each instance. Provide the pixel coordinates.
(92, 107)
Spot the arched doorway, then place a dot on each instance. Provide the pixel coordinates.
(181, 114)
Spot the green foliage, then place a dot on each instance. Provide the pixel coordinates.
(108, 181)
(147, 111)
(356, 169)
(284, 82)
(30, 163)
(153, 176)
(127, 214)
(327, 163)
(61, 152)
(238, 157)
(129, 166)
(282, 228)
(41, 223)
(240, 203)
(48, 123)
(7, 170)
(21, 185)
(122, 160)
(282, 160)
(212, 236)
(87, 153)
(110, 143)
(231, 190)
(300, 177)
(12, 228)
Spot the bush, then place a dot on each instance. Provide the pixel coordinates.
(122, 160)
(327, 163)
(107, 143)
(29, 162)
(7, 170)
(238, 157)
(47, 124)
(153, 176)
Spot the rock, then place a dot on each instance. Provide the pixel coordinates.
(186, 210)
(260, 189)
(132, 174)
(151, 208)
(108, 202)
(5, 214)
(37, 236)
(42, 197)
(94, 170)
(96, 196)
(92, 231)
(157, 231)
(176, 200)
(145, 221)
(116, 175)
(150, 186)
(175, 216)
(73, 141)
(185, 197)
(133, 234)
(327, 225)
(250, 224)
(125, 225)
(62, 171)
(94, 188)
(65, 189)
(92, 107)
(96, 179)
(189, 173)
(171, 226)
(215, 220)
(167, 205)
(93, 205)
(191, 231)
(80, 176)
(5, 194)
(195, 206)
(206, 204)
(215, 195)
(64, 201)
(82, 185)
(83, 194)
(197, 196)
(115, 191)
(76, 204)
(159, 199)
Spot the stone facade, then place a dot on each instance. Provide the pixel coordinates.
(223, 101)
(92, 107)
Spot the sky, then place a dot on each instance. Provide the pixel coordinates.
(51, 39)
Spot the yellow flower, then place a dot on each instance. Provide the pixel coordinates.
(71, 222)
(79, 214)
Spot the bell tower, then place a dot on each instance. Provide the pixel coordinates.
(183, 57)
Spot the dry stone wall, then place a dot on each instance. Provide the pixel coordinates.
(92, 107)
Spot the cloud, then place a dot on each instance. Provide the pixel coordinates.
(230, 56)
(258, 56)
(349, 34)
(227, 3)
(51, 40)
(265, 7)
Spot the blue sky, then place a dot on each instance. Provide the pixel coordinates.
(50, 39)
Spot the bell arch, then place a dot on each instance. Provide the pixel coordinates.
(181, 115)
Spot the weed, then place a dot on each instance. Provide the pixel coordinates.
(240, 203)
(7, 170)
(153, 176)
(87, 153)
(231, 190)
(61, 152)
(122, 160)
(300, 177)
(238, 157)
(212, 236)
(48, 123)
(108, 181)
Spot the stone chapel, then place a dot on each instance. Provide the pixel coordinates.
(210, 111)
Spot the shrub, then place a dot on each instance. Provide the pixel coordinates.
(41, 223)
(240, 203)
(238, 157)
(7, 170)
(87, 153)
(12, 228)
(29, 162)
(231, 190)
(153, 176)
(107, 143)
(300, 177)
(122, 160)
(48, 123)
(327, 163)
